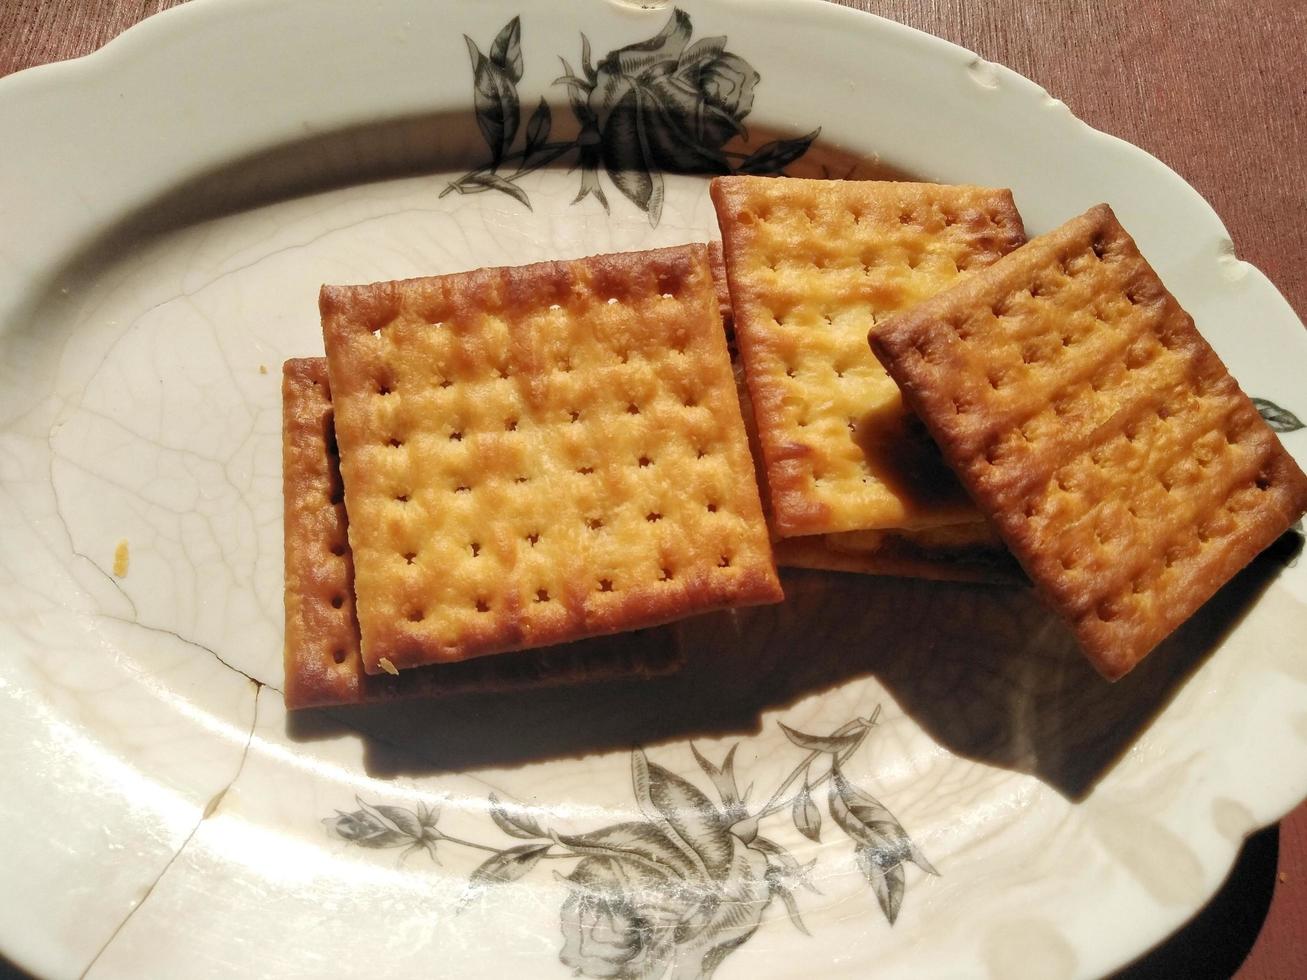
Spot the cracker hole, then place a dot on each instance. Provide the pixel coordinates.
(594, 523)
(463, 489)
(521, 479)
(645, 461)
(1263, 481)
(338, 656)
(1067, 340)
(446, 383)
(612, 300)
(573, 415)
(666, 575)
(653, 517)
(1107, 611)
(586, 470)
(337, 601)
(554, 307)
(690, 402)
(542, 595)
(1031, 508)
(1099, 248)
(712, 508)
(1030, 355)
(632, 409)
(700, 453)
(416, 615)
(394, 443)
(483, 606)
(789, 372)
(409, 557)
(338, 549)
(533, 538)
(475, 546)
(456, 437)
(383, 389)
(510, 425)
(605, 585)
(401, 498)
(1137, 587)
(724, 561)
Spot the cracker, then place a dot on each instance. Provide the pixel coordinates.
(322, 661)
(947, 553)
(812, 264)
(533, 455)
(1099, 433)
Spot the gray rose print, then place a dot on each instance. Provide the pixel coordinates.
(675, 892)
(663, 105)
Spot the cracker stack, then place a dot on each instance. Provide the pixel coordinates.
(323, 665)
(1097, 431)
(536, 455)
(812, 265)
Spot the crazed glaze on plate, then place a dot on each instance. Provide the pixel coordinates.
(164, 814)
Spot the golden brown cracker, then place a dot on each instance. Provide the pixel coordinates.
(1098, 432)
(322, 661)
(812, 264)
(537, 454)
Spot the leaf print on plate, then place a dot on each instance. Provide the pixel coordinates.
(1279, 419)
(682, 888)
(663, 105)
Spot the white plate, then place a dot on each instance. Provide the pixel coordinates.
(168, 208)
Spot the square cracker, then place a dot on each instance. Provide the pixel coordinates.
(534, 455)
(812, 265)
(1098, 431)
(322, 661)
(970, 552)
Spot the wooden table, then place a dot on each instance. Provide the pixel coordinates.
(1215, 90)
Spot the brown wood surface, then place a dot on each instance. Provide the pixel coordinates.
(1217, 91)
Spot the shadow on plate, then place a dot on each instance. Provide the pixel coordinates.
(986, 671)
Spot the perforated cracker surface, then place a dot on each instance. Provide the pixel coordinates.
(1098, 431)
(812, 265)
(322, 661)
(537, 454)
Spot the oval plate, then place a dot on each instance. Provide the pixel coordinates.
(915, 778)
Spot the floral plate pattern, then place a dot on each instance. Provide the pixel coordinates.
(905, 777)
